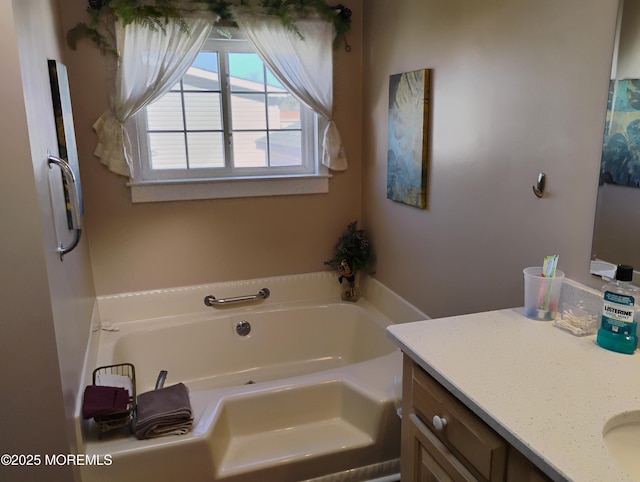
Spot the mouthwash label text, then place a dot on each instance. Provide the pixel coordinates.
(617, 312)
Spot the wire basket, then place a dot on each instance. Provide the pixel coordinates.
(121, 418)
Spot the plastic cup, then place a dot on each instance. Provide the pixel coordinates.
(541, 295)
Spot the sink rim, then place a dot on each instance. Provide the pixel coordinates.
(623, 418)
(618, 442)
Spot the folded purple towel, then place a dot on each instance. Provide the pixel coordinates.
(166, 411)
(101, 400)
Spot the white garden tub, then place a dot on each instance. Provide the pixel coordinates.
(309, 392)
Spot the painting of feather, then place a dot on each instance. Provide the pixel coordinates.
(407, 150)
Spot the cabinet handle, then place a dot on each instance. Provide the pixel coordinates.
(439, 423)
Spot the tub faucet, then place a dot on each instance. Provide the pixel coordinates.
(162, 376)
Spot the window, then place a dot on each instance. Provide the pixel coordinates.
(227, 129)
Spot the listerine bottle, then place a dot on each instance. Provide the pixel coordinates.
(620, 313)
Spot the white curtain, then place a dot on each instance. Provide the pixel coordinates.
(303, 65)
(149, 64)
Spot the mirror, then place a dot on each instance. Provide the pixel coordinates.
(617, 227)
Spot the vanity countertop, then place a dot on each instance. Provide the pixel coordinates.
(547, 392)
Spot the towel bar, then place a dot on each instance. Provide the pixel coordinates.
(211, 300)
(72, 186)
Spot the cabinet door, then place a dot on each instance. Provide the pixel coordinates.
(468, 437)
(464, 449)
(519, 469)
(432, 460)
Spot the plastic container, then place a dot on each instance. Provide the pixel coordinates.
(541, 295)
(577, 320)
(620, 313)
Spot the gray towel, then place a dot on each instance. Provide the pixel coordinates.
(166, 411)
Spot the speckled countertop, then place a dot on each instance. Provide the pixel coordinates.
(545, 391)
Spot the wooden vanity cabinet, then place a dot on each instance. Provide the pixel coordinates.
(442, 440)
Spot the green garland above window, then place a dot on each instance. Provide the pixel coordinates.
(156, 14)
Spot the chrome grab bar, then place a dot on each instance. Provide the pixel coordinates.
(211, 300)
(70, 179)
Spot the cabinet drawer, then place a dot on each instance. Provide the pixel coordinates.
(466, 435)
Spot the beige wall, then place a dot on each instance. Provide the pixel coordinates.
(46, 304)
(517, 88)
(145, 246)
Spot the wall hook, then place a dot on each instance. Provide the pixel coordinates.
(538, 189)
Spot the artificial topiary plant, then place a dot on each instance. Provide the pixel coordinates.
(353, 246)
(351, 254)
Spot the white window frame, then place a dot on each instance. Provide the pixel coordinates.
(180, 184)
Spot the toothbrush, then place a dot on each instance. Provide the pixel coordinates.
(548, 271)
(549, 266)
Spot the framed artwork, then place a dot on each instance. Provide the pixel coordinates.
(408, 139)
(63, 117)
(620, 163)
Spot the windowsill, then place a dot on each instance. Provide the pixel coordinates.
(190, 189)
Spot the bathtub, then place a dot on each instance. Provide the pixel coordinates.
(299, 386)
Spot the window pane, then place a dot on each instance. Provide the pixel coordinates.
(273, 84)
(285, 148)
(250, 149)
(203, 73)
(284, 111)
(206, 149)
(246, 72)
(202, 111)
(244, 126)
(165, 114)
(167, 151)
(247, 111)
